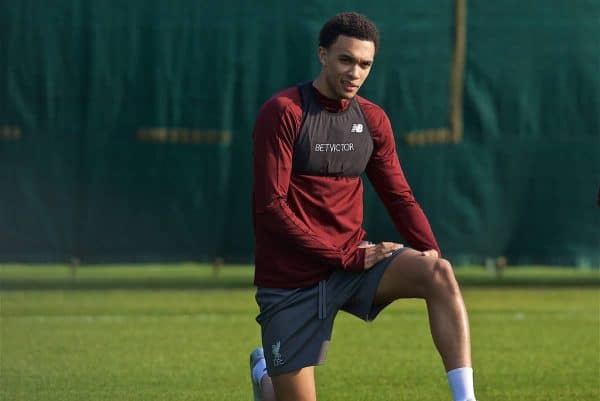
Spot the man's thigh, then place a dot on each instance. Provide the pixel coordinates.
(407, 276)
(355, 292)
(296, 386)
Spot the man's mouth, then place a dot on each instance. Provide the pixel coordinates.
(349, 86)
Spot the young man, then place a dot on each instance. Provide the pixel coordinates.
(311, 143)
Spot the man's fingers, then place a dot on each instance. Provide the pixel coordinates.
(391, 244)
(376, 253)
(388, 247)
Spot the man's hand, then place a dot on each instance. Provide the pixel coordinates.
(376, 253)
(431, 252)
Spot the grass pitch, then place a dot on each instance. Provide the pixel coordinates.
(182, 333)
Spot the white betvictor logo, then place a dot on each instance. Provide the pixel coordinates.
(334, 147)
(357, 128)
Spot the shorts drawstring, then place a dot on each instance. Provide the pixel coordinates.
(322, 299)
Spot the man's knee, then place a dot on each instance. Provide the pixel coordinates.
(442, 279)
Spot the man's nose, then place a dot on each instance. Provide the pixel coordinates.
(354, 71)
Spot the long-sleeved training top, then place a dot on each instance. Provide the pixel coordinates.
(307, 224)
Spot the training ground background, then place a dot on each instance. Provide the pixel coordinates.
(125, 136)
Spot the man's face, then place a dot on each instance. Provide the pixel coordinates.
(346, 65)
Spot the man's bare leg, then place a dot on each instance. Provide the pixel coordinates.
(413, 275)
(266, 387)
(296, 386)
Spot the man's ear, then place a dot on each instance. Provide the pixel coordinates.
(322, 55)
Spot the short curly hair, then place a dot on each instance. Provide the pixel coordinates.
(349, 24)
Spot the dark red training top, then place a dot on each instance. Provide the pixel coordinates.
(308, 225)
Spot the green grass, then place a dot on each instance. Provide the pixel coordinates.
(182, 333)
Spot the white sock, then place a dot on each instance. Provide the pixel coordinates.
(461, 384)
(259, 370)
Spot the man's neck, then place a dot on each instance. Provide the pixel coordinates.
(329, 102)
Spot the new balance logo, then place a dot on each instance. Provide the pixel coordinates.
(357, 128)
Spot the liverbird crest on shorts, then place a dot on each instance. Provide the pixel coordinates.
(277, 358)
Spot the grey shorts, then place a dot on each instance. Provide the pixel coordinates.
(296, 324)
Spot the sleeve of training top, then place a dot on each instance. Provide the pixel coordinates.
(388, 179)
(274, 136)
